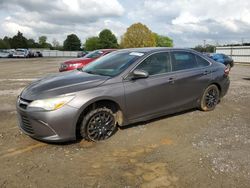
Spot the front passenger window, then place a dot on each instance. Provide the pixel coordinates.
(156, 64)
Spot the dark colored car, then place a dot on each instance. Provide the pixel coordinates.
(38, 54)
(81, 62)
(222, 58)
(82, 54)
(121, 88)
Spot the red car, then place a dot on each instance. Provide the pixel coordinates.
(81, 62)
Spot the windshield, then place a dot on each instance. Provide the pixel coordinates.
(112, 64)
(94, 54)
(20, 50)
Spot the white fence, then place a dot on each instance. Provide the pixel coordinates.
(240, 54)
(57, 53)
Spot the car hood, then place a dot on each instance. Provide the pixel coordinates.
(79, 60)
(61, 83)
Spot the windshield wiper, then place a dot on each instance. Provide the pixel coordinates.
(96, 73)
(89, 72)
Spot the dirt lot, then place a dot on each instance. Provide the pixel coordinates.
(191, 149)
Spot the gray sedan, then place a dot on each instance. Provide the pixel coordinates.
(124, 87)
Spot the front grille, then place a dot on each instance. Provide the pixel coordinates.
(25, 125)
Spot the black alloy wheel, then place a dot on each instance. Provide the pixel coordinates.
(210, 98)
(99, 124)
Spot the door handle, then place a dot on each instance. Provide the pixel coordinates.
(206, 72)
(171, 80)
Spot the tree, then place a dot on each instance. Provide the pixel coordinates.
(32, 43)
(92, 43)
(138, 35)
(163, 41)
(208, 48)
(7, 41)
(42, 40)
(4, 44)
(18, 41)
(72, 43)
(55, 43)
(107, 39)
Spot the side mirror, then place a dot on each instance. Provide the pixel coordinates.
(137, 74)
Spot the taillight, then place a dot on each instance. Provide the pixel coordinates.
(226, 71)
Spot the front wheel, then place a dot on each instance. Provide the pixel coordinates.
(99, 124)
(210, 98)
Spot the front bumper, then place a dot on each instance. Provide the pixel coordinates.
(49, 126)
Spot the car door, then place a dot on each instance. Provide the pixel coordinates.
(152, 95)
(193, 75)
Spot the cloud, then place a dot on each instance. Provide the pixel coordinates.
(188, 22)
(60, 17)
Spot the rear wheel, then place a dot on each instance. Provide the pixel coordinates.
(210, 98)
(99, 124)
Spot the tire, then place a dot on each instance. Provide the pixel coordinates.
(210, 98)
(93, 126)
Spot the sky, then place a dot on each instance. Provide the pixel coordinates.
(187, 22)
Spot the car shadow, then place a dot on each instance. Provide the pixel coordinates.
(59, 143)
(142, 123)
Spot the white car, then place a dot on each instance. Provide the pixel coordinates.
(21, 53)
(4, 53)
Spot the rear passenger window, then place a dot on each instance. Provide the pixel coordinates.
(156, 64)
(201, 62)
(183, 60)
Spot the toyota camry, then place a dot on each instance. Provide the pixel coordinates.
(123, 87)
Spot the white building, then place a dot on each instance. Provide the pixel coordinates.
(240, 54)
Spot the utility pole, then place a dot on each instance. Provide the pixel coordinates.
(242, 41)
(204, 43)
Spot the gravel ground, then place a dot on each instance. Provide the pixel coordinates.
(189, 149)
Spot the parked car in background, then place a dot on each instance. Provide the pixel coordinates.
(124, 87)
(4, 54)
(11, 51)
(222, 58)
(20, 52)
(82, 54)
(38, 54)
(81, 62)
(34, 53)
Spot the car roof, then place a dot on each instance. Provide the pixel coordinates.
(154, 49)
(107, 50)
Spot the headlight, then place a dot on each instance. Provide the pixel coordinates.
(52, 103)
(74, 65)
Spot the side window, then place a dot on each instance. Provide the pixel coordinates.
(156, 64)
(201, 62)
(106, 53)
(183, 60)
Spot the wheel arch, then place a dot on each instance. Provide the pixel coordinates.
(97, 103)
